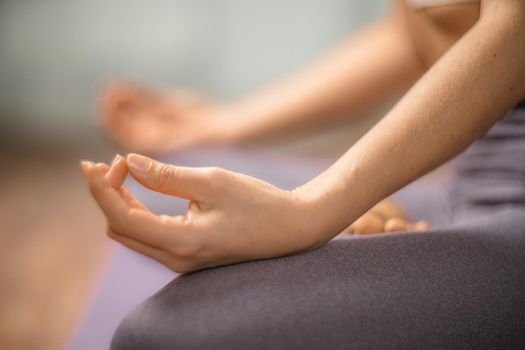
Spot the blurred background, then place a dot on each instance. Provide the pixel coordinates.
(54, 57)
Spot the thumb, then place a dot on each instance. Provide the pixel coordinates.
(189, 183)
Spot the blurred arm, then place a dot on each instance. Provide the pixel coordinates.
(365, 70)
(472, 86)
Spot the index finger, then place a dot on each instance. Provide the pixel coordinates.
(117, 172)
(138, 224)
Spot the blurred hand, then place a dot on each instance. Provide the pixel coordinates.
(385, 217)
(150, 121)
(231, 217)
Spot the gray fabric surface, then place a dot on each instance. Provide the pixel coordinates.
(490, 174)
(456, 288)
(459, 286)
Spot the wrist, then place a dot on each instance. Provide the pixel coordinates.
(317, 222)
(330, 205)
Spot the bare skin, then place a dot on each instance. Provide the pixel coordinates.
(450, 105)
(155, 121)
(385, 217)
(150, 121)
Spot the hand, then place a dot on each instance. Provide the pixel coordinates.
(231, 217)
(385, 217)
(146, 120)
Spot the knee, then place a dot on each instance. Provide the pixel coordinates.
(134, 330)
(250, 305)
(155, 324)
(180, 316)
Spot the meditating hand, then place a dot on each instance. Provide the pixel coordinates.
(151, 121)
(231, 217)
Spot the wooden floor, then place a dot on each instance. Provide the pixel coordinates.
(51, 248)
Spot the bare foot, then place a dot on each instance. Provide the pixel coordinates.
(385, 217)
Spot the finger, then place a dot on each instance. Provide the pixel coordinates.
(134, 94)
(121, 94)
(118, 98)
(396, 225)
(116, 175)
(112, 100)
(137, 134)
(109, 200)
(189, 183)
(86, 166)
(140, 225)
(117, 172)
(110, 94)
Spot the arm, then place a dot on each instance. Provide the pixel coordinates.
(472, 86)
(352, 78)
(233, 217)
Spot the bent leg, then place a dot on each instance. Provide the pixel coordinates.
(460, 287)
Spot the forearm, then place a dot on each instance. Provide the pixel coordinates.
(350, 79)
(456, 102)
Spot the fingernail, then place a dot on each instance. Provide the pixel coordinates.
(116, 159)
(84, 165)
(139, 163)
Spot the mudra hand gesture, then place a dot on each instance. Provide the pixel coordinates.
(231, 217)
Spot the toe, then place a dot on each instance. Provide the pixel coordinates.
(368, 224)
(396, 225)
(421, 225)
